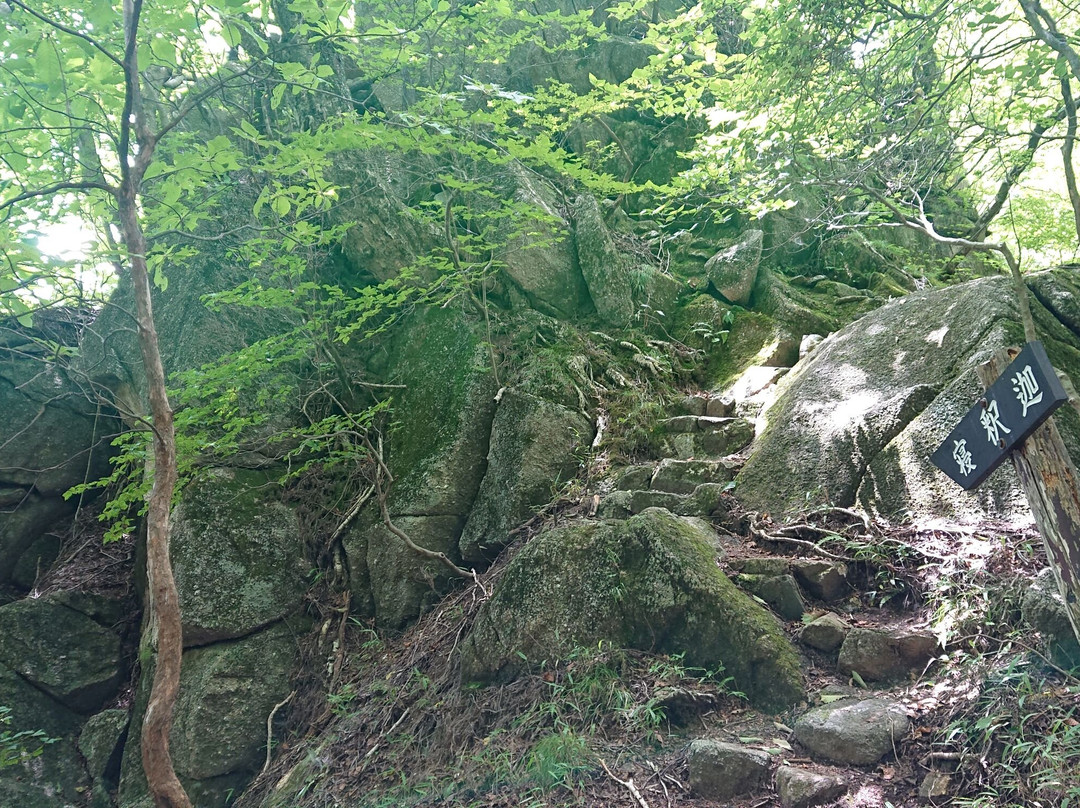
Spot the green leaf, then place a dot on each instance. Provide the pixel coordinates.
(281, 205)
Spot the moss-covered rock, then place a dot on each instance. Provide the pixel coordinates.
(534, 448)
(100, 746)
(798, 311)
(237, 555)
(438, 456)
(868, 406)
(61, 651)
(402, 584)
(605, 269)
(442, 417)
(218, 738)
(650, 582)
(540, 259)
(733, 270)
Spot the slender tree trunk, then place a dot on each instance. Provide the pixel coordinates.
(164, 601)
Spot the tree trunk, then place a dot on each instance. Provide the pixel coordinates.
(1050, 481)
(164, 600)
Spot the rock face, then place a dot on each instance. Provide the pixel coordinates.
(852, 732)
(438, 456)
(534, 447)
(543, 264)
(650, 583)
(720, 771)
(859, 417)
(237, 556)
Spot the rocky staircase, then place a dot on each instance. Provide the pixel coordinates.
(861, 710)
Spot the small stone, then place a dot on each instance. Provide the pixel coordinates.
(779, 591)
(680, 424)
(615, 505)
(762, 566)
(641, 500)
(935, 785)
(683, 476)
(878, 655)
(916, 648)
(824, 580)
(706, 500)
(827, 633)
(692, 405)
(799, 788)
(634, 478)
(720, 407)
(852, 732)
(719, 771)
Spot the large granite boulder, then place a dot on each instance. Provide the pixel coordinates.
(54, 434)
(606, 271)
(237, 554)
(218, 738)
(61, 651)
(651, 583)
(858, 419)
(534, 448)
(437, 455)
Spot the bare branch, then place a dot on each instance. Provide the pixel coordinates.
(57, 188)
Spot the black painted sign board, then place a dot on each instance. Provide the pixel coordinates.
(1014, 406)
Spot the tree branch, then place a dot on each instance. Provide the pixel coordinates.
(70, 31)
(57, 188)
(1067, 152)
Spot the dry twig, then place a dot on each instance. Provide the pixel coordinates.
(627, 784)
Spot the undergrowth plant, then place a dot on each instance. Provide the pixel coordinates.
(1019, 743)
(16, 747)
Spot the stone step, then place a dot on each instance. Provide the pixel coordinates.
(699, 404)
(821, 579)
(697, 436)
(705, 500)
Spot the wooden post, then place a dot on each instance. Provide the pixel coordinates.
(1050, 481)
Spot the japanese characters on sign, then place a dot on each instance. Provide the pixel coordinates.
(1014, 407)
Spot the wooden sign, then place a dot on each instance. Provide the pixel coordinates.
(1013, 407)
